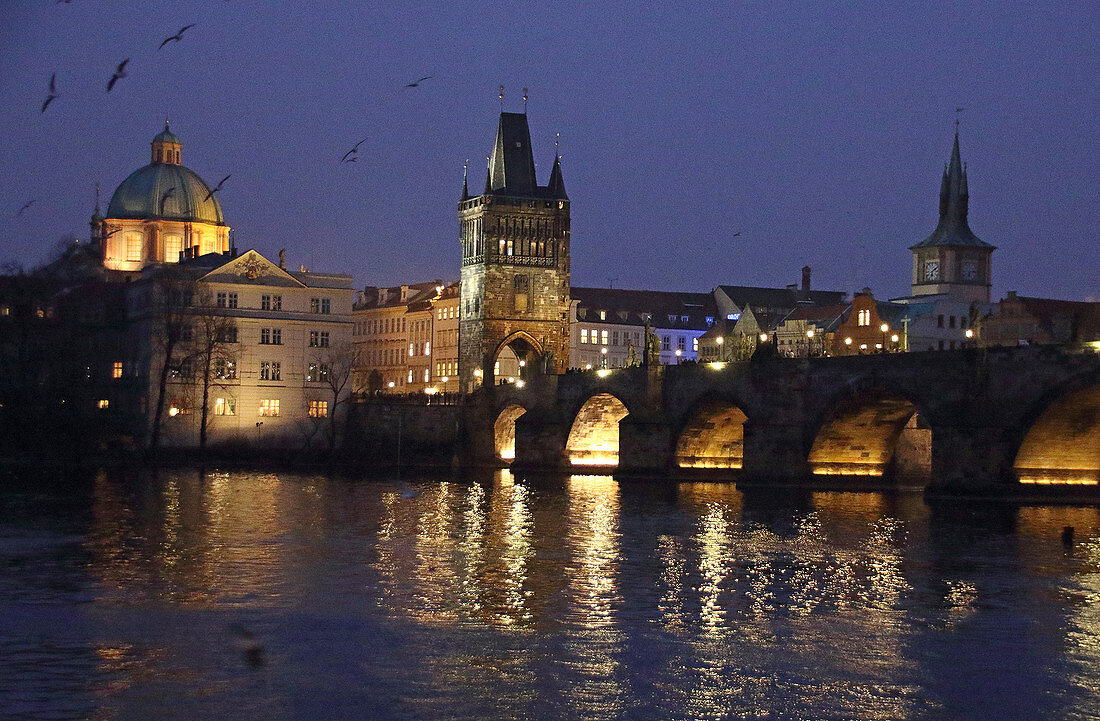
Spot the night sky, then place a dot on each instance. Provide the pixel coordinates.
(818, 131)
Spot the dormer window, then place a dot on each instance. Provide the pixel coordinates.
(603, 315)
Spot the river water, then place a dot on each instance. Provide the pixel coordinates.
(189, 595)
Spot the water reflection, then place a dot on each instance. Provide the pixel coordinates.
(576, 597)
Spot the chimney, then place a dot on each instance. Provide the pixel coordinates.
(805, 279)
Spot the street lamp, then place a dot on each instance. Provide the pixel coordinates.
(809, 342)
(720, 340)
(885, 329)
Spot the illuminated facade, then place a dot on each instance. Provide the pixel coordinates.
(160, 213)
(515, 263)
(407, 338)
(286, 339)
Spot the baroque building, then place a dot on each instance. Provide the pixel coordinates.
(514, 301)
(162, 211)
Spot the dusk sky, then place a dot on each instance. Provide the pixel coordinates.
(817, 131)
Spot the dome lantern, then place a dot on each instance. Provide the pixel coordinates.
(167, 147)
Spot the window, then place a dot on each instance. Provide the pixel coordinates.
(265, 302)
(614, 337)
(116, 369)
(228, 335)
(173, 246)
(187, 333)
(318, 339)
(133, 246)
(411, 350)
(317, 372)
(427, 344)
(320, 305)
(939, 323)
(270, 370)
(410, 376)
(232, 300)
(603, 336)
(521, 287)
(225, 369)
(681, 343)
(695, 344)
(271, 336)
(584, 335)
(951, 322)
(318, 409)
(269, 407)
(226, 407)
(603, 315)
(221, 300)
(666, 342)
(427, 377)
(865, 317)
(103, 404)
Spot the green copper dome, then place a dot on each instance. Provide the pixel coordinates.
(165, 191)
(166, 136)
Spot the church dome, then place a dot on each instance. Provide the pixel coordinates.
(165, 191)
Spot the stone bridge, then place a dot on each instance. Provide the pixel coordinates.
(964, 420)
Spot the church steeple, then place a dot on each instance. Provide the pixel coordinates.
(465, 186)
(953, 228)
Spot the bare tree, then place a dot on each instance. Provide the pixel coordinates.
(212, 352)
(335, 368)
(172, 294)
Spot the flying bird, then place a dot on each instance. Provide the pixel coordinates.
(167, 194)
(177, 37)
(53, 92)
(353, 151)
(26, 205)
(120, 72)
(215, 189)
(735, 234)
(416, 83)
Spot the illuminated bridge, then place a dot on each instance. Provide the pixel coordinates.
(966, 419)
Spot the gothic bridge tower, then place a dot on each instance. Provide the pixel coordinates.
(515, 265)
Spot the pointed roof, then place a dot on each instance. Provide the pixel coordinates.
(465, 187)
(556, 187)
(953, 228)
(512, 164)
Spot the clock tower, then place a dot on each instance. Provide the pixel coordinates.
(953, 261)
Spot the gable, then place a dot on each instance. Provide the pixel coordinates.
(251, 268)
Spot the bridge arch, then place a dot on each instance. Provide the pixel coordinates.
(1060, 441)
(594, 435)
(504, 432)
(513, 357)
(872, 430)
(713, 436)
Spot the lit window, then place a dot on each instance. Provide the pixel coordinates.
(427, 377)
(411, 350)
(427, 345)
(269, 370)
(133, 246)
(410, 376)
(603, 315)
(269, 407)
(173, 246)
(104, 403)
(225, 369)
(695, 344)
(584, 335)
(603, 335)
(225, 406)
(318, 409)
(116, 369)
(864, 317)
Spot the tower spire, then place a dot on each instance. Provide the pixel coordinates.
(465, 187)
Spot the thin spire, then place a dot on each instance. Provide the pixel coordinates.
(488, 177)
(465, 187)
(557, 184)
(97, 198)
(525, 101)
(501, 96)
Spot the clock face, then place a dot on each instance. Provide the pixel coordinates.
(969, 270)
(931, 270)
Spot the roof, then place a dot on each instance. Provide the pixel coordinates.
(1048, 311)
(953, 228)
(166, 136)
(636, 307)
(163, 191)
(761, 298)
(511, 170)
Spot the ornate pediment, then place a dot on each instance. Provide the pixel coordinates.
(253, 269)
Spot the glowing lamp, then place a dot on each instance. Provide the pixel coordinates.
(603, 350)
(847, 341)
(603, 372)
(520, 384)
(390, 384)
(763, 337)
(884, 327)
(810, 333)
(720, 340)
(969, 332)
(894, 338)
(477, 372)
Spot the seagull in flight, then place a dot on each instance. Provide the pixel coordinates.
(177, 37)
(353, 151)
(120, 72)
(167, 194)
(26, 205)
(736, 234)
(215, 189)
(416, 83)
(53, 92)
